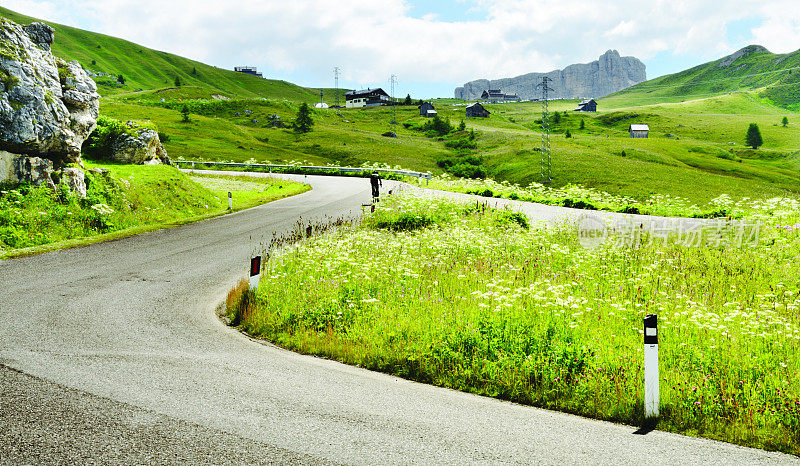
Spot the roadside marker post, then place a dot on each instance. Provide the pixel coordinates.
(230, 200)
(255, 272)
(651, 388)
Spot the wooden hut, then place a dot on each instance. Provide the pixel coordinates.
(639, 131)
(425, 108)
(477, 110)
(588, 105)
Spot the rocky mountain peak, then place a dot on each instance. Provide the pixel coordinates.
(608, 74)
(743, 52)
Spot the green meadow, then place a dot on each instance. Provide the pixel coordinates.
(478, 300)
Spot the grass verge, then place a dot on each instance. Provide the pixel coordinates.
(474, 300)
(124, 200)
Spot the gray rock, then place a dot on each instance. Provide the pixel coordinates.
(609, 74)
(41, 35)
(750, 49)
(75, 179)
(143, 147)
(34, 170)
(47, 106)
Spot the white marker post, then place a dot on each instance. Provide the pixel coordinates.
(255, 272)
(230, 200)
(651, 389)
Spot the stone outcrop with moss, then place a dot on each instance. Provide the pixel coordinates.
(48, 107)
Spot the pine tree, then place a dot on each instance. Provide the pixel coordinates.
(185, 113)
(408, 100)
(121, 79)
(785, 122)
(303, 122)
(177, 81)
(583, 124)
(754, 139)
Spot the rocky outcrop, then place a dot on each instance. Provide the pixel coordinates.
(35, 170)
(75, 180)
(47, 107)
(139, 146)
(750, 49)
(609, 74)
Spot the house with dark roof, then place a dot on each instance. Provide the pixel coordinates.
(427, 110)
(251, 70)
(496, 95)
(366, 98)
(477, 110)
(588, 105)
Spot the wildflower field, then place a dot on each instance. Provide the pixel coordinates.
(478, 300)
(581, 197)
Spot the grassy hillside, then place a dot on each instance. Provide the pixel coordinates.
(695, 150)
(145, 68)
(775, 76)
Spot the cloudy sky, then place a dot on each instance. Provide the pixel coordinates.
(432, 46)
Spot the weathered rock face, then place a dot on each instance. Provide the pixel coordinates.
(609, 74)
(34, 170)
(75, 179)
(141, 147)
(47, 107)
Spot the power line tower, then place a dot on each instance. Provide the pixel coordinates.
(546, 162)
(393, 81)
(336, 71)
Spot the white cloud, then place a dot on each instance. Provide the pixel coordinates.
(372, 39)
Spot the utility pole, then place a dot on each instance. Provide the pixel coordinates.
(546, 162)
(394, 120)
(336, 79)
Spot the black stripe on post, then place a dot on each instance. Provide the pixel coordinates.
(651, 329)
(255, 266)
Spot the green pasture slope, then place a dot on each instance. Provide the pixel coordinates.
(775, 77)
(145, 68)
(696, 147)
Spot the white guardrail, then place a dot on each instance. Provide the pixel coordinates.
(193, 164)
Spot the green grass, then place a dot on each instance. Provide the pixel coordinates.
(469, 299)
(146, 69)
(773, 76)
(131, 199)
(696, 148)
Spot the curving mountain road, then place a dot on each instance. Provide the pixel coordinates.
(113, 353)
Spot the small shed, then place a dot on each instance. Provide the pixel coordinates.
(424, 108)
(639, 131)
(477, 110)
(588, 105)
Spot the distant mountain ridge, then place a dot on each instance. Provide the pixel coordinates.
(775, 76)
(609, 74)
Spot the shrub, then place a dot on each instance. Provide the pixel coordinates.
(510, 217)
(461, 144)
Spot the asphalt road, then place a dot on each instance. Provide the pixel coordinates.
(113, 353)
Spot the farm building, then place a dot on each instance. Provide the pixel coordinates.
(638, 131)
(425, 109)
(477, 110)
(366, 98)
(589, 105)
(496, 95)
(251, 70)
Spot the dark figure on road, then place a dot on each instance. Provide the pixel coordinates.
(375, 181)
